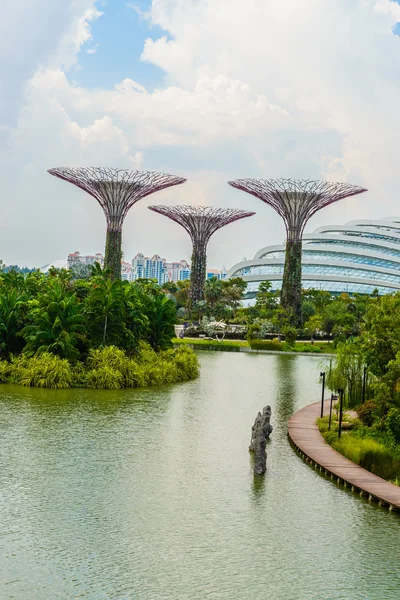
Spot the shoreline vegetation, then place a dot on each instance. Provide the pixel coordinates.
(61, 332)
(376, 452)
(104, 368)
(262, 345)
(367, 369)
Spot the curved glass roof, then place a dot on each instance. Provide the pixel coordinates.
(350, 258)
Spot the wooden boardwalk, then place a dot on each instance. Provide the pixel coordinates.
(309, 443)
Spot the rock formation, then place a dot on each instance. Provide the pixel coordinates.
(260, 432)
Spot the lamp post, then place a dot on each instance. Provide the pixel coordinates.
(323, 393)
(333, 398)
(341, 393)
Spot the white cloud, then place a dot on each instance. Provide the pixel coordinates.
(257, 88)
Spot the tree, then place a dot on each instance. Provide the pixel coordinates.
(161, 315)
(55, 324)
(13, 308)
(381, 336)
(105, 311)
(266, 299)
(213, 291)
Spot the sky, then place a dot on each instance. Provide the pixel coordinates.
(211, 90)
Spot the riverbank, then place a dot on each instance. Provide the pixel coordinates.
(241, 346)
(307, 441)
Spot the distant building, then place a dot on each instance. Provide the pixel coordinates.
(178, 271)
(76, 258)
(144, 267)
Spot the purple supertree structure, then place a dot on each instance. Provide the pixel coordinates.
(201, 222)
(295, 200)
(116, 190)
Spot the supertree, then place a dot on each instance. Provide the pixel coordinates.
(295, 200)
(200, 222)
(116, 190)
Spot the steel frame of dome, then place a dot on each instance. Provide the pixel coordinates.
(357, 257)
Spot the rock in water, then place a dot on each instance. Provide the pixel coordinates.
(260, 432)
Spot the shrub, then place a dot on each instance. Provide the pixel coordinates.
(369, 454)
(104, 378)
(393, 423)
(186, 362)
(109, 356)
(266, 345)
(5, 371)
(45, 370)
(367, 412)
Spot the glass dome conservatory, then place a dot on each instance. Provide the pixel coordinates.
(360, 256)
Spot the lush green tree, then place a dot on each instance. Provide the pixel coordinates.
(161, 316)
(105, 311)
(266, 299)
(13, 309)
(55, 323)
(381, 337)
(213, 291)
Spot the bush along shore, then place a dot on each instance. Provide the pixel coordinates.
(374, 450)
(104, 368)
(57, 332)
(269, 345)
(367, 369)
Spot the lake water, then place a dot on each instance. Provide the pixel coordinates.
(150, 495)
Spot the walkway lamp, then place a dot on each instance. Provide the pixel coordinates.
(333, 399)
(341, 394)
(323, 393)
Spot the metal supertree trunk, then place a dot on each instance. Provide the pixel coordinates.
(295, 200)
(200, 222)
(116, 190)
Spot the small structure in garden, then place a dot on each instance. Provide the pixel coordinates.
(260, 432)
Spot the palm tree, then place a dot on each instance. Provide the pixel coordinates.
(106, 310)
(56, 324)
(161, 314)
(12, 308)
(213, 291)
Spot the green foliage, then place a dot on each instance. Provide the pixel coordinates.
(55, 324)
(105, 378)
(45, 370)
(367, 412)
(275, 345)
(392, 422)
(5, 371)
(347, 371)
(160, 312)
(369, 454)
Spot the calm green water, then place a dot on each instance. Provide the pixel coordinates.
(149, 495)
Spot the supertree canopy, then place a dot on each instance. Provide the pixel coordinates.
(200, 222)
(295, 200)
(116, 190)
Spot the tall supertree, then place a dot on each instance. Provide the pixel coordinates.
(116, 190)
(200, 222)
(295, 200)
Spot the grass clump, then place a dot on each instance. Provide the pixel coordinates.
(377, 455)
(44, 370)
(5, 371)
(105, 368)
(272, 345)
